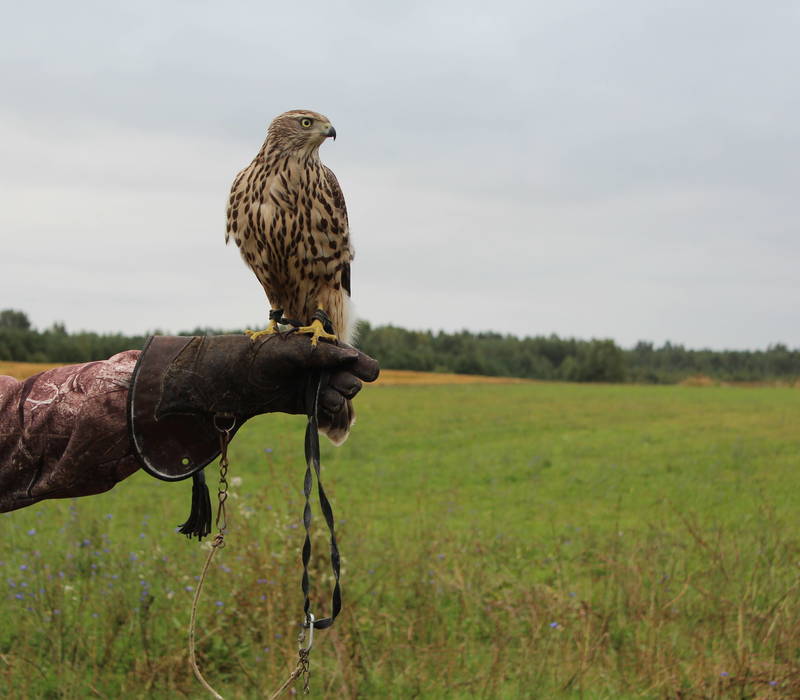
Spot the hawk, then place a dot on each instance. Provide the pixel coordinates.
(287, 215)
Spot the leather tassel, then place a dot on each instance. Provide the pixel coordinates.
(199, 521)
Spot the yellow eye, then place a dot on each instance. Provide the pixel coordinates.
(305, 122)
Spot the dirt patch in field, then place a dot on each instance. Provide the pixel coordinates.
(699, 380)
(23, 370)
(394, 377)
(703, 380)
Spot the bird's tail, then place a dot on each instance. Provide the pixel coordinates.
(343, 420)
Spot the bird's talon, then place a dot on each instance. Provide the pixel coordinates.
(317, 331)
(271, 329)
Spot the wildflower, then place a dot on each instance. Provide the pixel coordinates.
(188, 588)
(19, 596)
(133, 556)
(554, 625)
(32, 531)
(23, 567)
(773, 683)
(268, 450)
(94, 615)
(724, 674)
(261, 580)
(109, 516)
(440, 556)
(219, 603)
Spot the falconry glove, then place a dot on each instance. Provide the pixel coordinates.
(180, 384)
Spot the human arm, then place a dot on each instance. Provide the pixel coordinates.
(65, 432)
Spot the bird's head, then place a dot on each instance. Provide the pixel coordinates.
(299, 130)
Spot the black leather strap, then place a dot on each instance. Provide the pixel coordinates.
(312, 461)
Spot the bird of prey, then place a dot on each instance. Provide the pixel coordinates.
(287, 215)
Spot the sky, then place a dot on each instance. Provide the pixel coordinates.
(620, 170)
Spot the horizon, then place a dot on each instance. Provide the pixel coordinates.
(434, 331)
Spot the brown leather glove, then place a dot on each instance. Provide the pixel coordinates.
(181, 385)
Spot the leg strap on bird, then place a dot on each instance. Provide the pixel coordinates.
(318, 315)
(324, 319)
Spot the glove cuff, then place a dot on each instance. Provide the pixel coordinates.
(168, 446)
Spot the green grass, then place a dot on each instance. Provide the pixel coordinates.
(519, 541)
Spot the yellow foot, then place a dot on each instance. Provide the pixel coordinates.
(317, 331)
(271, 329)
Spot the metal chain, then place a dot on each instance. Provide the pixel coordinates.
(217, 543)
(222, 489)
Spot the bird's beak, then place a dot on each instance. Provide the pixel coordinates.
(331, 132)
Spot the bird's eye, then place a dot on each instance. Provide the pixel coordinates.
(306, 123)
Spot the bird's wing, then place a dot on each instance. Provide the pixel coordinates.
(341, 208)
(237, 192)
(336, 193)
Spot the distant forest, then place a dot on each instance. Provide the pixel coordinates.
(540, 357)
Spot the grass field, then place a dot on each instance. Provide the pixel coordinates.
(525, 540)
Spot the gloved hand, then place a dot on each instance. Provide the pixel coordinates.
(182, 385)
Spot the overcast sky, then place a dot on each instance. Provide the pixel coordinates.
(619, 169)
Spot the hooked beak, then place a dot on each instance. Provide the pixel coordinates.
(331, 132)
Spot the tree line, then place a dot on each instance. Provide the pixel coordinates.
(494, 354)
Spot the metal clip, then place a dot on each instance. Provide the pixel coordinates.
(310, 624)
